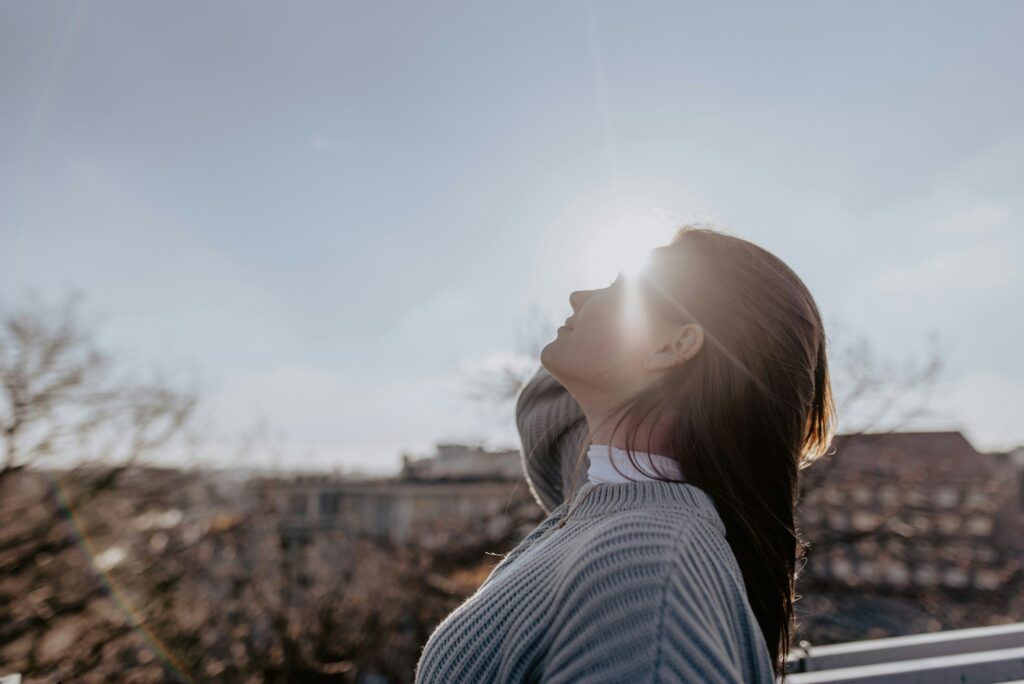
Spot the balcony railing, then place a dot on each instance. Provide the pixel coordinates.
(965, 656)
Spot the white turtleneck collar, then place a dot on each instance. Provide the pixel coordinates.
(602, 457)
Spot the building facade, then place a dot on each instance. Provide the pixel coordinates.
(914, 509)
(461, 490)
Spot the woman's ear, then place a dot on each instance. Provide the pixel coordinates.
(689, 341)
(684, 346)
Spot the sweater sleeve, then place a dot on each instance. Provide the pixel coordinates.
(544, 411)
(657, 614)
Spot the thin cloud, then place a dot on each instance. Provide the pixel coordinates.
(985, 404)
(982, 266)
(980, 219)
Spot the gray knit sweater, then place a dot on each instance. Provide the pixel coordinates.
(621, 582)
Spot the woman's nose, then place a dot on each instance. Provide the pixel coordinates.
(576, 299)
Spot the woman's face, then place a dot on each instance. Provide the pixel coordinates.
(607, 340)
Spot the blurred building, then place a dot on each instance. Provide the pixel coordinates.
(462, 488)
(460, 461)
(914, 509)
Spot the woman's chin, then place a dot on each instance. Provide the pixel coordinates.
(545, 354)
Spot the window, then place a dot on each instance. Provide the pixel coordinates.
(897, 573)
(894, 546)
(917, 497)
(330, 502)
(975, 498)
(987, 579)
(949, 523)
(810, 516)
(865, 520)
(811, 497)
(868, 570)
(842, 567)
(297, 505)
(956, 551)
(920, 523)
(926, 574)
(979, 525)
(862, 495)
(889, 495)
(867, 547)
(986, 554)
(945, 496)
(837, 520)
(956, 577)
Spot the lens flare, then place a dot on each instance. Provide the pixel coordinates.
(634, 320)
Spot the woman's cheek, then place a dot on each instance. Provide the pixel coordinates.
(607, 346)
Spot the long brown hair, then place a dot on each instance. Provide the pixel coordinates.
(750, 410)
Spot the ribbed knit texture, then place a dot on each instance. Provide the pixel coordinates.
(638, 585)
(544, 410)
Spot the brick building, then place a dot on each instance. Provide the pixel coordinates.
(914, 509)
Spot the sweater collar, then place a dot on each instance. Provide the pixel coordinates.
(612, 464)
(596, 498)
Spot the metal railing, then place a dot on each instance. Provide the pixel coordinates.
(978, 655)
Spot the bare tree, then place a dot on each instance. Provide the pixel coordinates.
(62, 404)
(887, 397)
(71, 431)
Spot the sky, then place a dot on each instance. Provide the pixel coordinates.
(330, 216)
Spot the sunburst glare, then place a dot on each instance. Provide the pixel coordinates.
(633, 312)
(623, 247)
(622, 244)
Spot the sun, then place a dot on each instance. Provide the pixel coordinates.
(623, 245)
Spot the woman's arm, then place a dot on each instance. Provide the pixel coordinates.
(551, 427)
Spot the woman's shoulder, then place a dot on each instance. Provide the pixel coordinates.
(668, 528)
(658, 543)
(671, 580)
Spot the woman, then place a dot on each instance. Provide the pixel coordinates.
(675, 560)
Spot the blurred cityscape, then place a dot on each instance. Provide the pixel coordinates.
(152, 574)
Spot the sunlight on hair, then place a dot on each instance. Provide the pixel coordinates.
(712, 339)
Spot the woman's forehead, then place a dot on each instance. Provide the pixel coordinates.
(663, 271)
(661, 255)
(663, 261)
